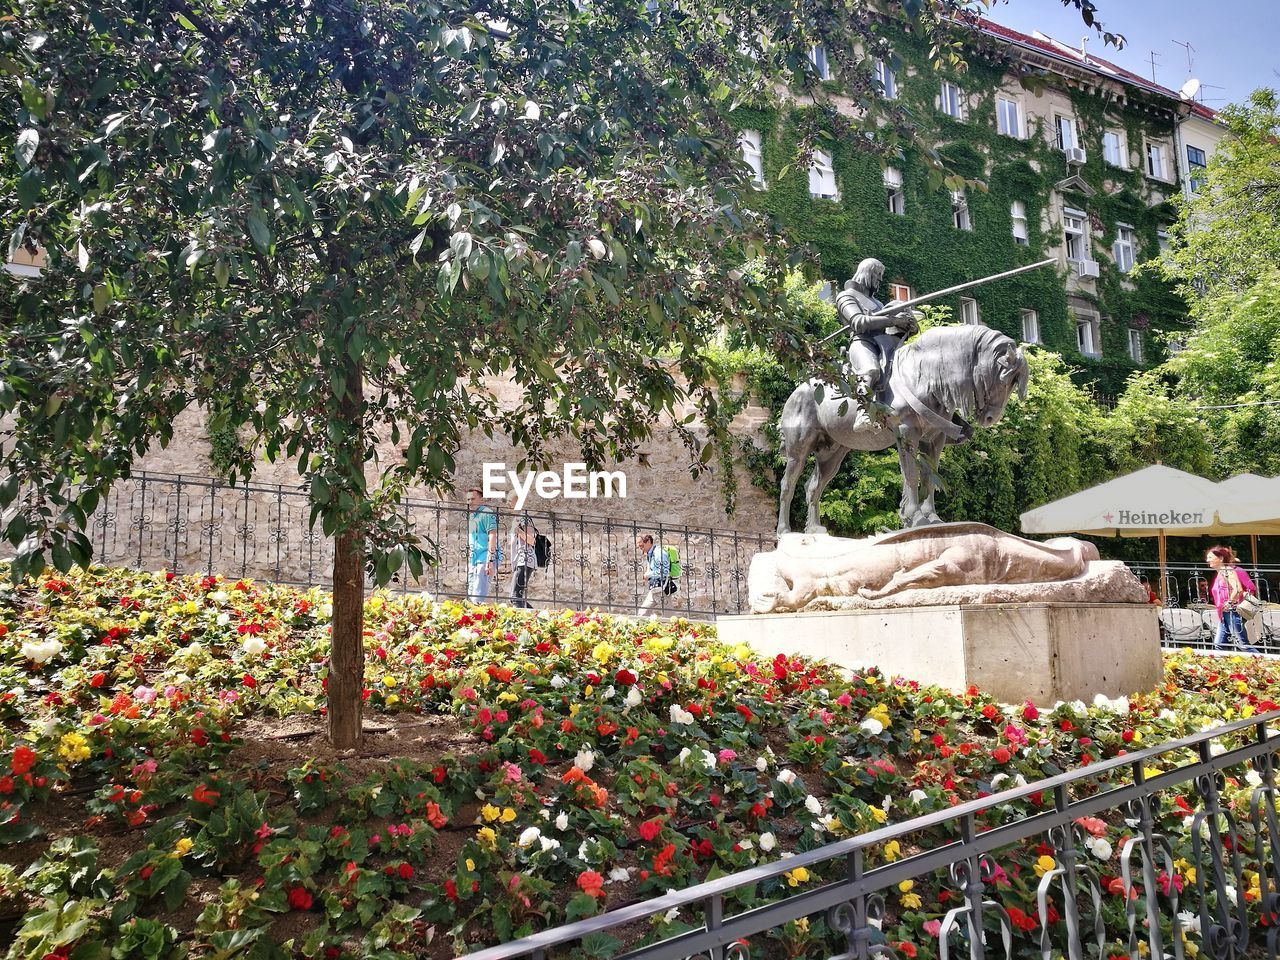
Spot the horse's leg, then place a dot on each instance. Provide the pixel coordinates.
(827, 462)
(796, 451)
(908, 452)
(930, 454)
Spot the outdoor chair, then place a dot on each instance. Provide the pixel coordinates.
(1181, 626)
(1270, 625)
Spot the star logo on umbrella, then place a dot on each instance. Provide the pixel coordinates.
(1108, 517)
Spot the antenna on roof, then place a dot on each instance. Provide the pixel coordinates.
(1152, 58)
(1190, 50)
(1190, 89)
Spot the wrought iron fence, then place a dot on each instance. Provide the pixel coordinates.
(1188, 617)
(1205, 869)
(196, 524)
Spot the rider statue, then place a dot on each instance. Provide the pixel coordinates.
(874, 338)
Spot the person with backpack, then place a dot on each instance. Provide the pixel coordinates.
(662, 569)
(524, 555)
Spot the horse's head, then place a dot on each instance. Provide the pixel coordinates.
(1000, 369)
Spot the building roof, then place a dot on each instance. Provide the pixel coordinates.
(1041, 43)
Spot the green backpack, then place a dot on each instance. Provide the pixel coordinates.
(673, 555)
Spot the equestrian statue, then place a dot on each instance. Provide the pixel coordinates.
(920, 395)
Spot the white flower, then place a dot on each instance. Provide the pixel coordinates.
(254, 646)
(998, 779)
(762, 763)
(558, 682)
(326, 611)
(619, 875)
(544, 813)
(872, 726)
(1190, 921)
(608, 692)
(582, 852)
(746, 844)
(562, 821)
(918, 797)
(1230, 891)
(549, 844)
(1079, 707)
(585, 760)
(219, 596)
(709, 759)
(41, 651)
(680, 715)
(1168, 715)
(813, 804)
(466, 634)
(684, 755)
(768, 841)
(787, 777)
(222, 619)
(887, 803)
(1019, 781)
(634, 697)
(670, 915)
(45, 727)
(530, 835)
(1253, 778)
(1216, 749)
(1100, 847)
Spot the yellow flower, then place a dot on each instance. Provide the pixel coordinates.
(880, 815)
(1044, 865)
(916, 735)
(797, 876)
(911, 901)
(602, 652)
(906, 886)
(392, 699)
(1150, 772)
(488, 837)
(388, 681)
(471, 864)
(1190, 874)
(506, 696)
(742, 652)
(73, 748)
(1247, 711)
(190, 607)
(588, 690)
(508, 814)
(661, 644)
(1137, 736)
(1242, 687)
(490, 812)
(183, 847)
(892, 850)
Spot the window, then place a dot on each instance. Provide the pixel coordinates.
(1030, 326)
(960, 211)
(818, 57)
(1155, 161)
(1135, 345)
(1066, 128)
(1162, 238)
(1123, 248)
(1018, 214)
(1113, 149)
(886, 80)
(1076, 234)
(822, 177)
(900, 292)
(949, 100)
(1087, 335)
(969, 311)
(1009, 117)
(1196, 164)
(749, 141)
(893, 189)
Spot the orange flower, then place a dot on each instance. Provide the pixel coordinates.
(434, 816)
(591, 883)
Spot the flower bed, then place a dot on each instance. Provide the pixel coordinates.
(165, 787)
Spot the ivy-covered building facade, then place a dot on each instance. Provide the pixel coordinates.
(1067, 156)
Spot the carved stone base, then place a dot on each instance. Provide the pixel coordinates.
(1043, 652)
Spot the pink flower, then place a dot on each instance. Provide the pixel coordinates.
(169, 691)
(511, 773)
(844, 699)
(728, 755)
(144, 694)
(145, 768)
(932, 927)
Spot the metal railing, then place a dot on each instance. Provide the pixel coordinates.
(1070, 912)
(196, 524)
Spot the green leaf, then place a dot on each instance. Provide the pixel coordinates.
(28, 141)
(100, 296)
(259, 232)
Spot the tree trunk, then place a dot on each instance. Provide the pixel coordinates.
(346, 652)
(346, 647)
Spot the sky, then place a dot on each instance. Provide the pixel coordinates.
(1236, 48)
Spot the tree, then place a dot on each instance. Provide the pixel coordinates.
(327, 223)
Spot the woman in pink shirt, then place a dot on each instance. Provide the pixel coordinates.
(1229, 586)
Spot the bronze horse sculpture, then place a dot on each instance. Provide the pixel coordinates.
(940, 383)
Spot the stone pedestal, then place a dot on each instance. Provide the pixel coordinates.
(1042, 652)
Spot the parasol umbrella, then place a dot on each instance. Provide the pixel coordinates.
(1253, 502)
(1155, 501)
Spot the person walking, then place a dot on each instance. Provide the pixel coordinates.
(482, 535)
(1229, 586)
(524, 554)
(657, 572)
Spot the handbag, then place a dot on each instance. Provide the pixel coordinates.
(1248, 605)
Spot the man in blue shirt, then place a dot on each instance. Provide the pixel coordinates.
(657, 571)
(482, 531)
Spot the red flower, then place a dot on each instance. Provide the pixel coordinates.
(146, 871)
(23, 759)
(591, 883)
(202, 794)
(98, 679)
(1029, 712)
(451, 889)
(249, 682)
(908, 950)
(405, 870)
(661, 863)
(1001, 755)
(299, 899)
(625, 677)
(650, 829)
(745, 711)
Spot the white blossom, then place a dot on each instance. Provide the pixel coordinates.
(762, 763)
(41, 651)
(609, 691)
(1190, 921)
(558, 682)
(680, 715)
(709, 759)
(998, 779)
(1230, 891)
(562, 821)
(634, 697)
(1253, 778)
(684, 755)
(219, 596)
(746, 843)
(813, 804)
(529, 836)
(619, 875)
(787, 777)
(585, 760)
(222, 619)
(670, 915)
(872, 726)
(548, 843)
(1100, 847)
(768, 841)
(918, 796)
(254, 646)
(888, 802)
